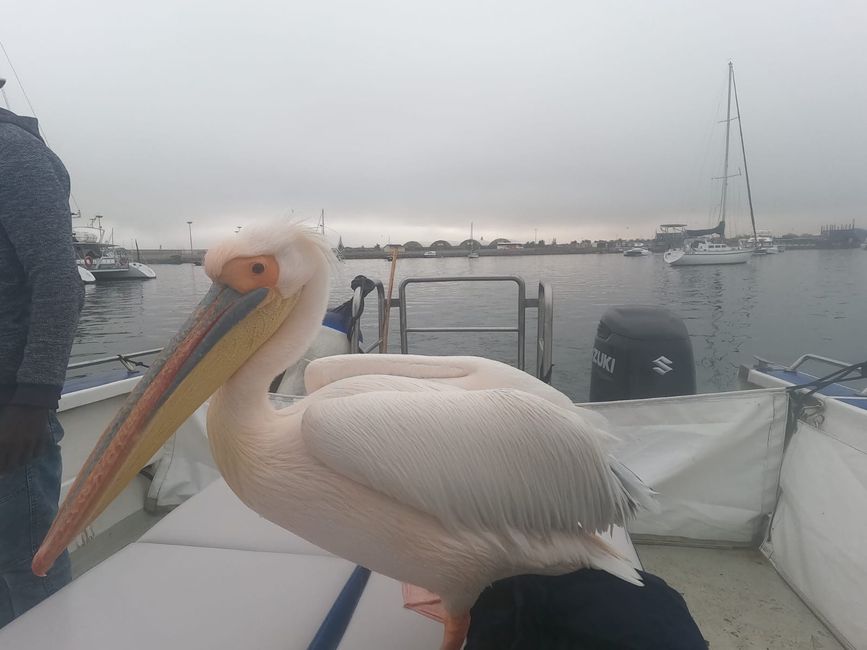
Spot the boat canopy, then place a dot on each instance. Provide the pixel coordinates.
(718, 230)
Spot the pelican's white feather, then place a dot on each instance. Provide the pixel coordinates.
(294, 246)
(470, 373)
(498, 460)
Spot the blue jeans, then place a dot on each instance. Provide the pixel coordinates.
(28, 505)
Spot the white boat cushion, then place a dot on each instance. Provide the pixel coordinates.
(216, 518)
(163, 596)
(214, 575)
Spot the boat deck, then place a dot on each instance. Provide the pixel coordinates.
(737, 598)
(735, 595)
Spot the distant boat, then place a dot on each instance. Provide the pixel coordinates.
(762, 243)
(705, 250)
(473, 253)
(103, 260)
(636, 251)
(430, 254)
(701, 247)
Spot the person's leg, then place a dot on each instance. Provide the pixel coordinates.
(28, 505)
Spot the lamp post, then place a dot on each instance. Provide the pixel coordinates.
(190, 226)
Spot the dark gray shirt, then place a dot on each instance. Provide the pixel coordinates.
(41, 293)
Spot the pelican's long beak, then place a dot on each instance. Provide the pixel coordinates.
(226, 328)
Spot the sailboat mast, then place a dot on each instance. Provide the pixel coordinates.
(744, 152)
(725, 176)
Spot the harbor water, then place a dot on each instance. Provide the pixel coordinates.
(777, 307)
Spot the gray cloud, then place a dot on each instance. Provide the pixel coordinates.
(409, 121)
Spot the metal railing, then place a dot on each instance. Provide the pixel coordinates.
(543, 304)
(815, 357)
(122, 358)
(358, 311)
(406, 330)
(545, 332)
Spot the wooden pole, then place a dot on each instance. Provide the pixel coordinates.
(387, 314)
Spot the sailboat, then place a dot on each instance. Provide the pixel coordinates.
(473, 252)
(708, 246)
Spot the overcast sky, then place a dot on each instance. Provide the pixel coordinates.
(408, 120)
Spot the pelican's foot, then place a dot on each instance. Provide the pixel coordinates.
(455, 632)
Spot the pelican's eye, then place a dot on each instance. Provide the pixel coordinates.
(244, 274)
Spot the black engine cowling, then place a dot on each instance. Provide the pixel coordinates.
(641, 351)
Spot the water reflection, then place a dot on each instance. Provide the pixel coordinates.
(777, 307)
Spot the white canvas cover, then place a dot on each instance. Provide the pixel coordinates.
(714, 460)
(328, 343)
(184, 465)
(816, 540)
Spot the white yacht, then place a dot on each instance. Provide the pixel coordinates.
(702, 247)
(705, 250)
(762, 243)
(100, 260)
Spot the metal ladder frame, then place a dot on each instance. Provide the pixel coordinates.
(544, 304)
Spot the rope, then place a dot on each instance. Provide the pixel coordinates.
(799, 409)
(21, 85)
(130, 364)
(32, 110)
(836, 377)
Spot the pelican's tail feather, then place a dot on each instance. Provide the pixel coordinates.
(605, 558)
(637, 495)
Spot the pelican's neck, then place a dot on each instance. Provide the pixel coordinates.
(247, 390)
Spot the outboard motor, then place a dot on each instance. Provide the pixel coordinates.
(641, 351)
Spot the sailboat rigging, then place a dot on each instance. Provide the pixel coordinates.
(473, 252)
(708, 246)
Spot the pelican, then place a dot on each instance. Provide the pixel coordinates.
(448, 473)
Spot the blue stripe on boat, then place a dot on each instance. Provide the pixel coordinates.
(330, 633)
(857, 402)
(797, 378)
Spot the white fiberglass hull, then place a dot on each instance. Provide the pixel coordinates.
(765, 250)
(135, 271)
(702, 258)
(85, 275)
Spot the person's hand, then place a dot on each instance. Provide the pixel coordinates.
(23, 434)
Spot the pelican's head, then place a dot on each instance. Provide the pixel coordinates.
(258, 277)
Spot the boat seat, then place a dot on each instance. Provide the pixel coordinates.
(170, 596)
(216, 518)
(213, 574)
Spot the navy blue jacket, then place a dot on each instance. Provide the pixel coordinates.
(41, 293)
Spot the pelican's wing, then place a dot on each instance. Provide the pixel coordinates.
(471, 373)
(499, 459)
